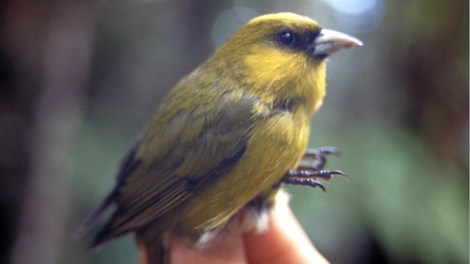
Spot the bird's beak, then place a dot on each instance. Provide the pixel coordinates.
(330, 41)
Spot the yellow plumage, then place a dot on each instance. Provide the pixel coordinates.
(226, 135)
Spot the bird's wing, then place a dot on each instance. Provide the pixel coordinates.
(194, 147)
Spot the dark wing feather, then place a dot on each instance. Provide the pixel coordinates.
(171, 167)
(128, 165)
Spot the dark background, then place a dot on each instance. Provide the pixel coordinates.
(79, 80)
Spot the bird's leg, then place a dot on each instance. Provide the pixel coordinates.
(307, 173)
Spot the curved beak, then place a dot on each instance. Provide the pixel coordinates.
(330, 41)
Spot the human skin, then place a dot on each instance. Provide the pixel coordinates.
(284, 241)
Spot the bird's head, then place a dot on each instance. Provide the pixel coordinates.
(285, 34)
(283, 55)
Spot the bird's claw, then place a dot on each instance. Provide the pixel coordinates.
(318, 157)
(323, 174)
(303, 181)
(321, 151)
(308, 173)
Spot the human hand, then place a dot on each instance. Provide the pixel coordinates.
(283, 242)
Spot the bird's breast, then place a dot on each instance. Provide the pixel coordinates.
(279, 141)
(276, 145)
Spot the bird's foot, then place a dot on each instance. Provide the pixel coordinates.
(318, 157)
(309, 173)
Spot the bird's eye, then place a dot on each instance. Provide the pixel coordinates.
(287, 39)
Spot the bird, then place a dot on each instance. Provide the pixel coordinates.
(226, 137)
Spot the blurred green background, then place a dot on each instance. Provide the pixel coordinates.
(79, 80)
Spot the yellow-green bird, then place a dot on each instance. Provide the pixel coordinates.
(226, 136)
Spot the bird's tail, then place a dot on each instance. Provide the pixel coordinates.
(90, 220)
